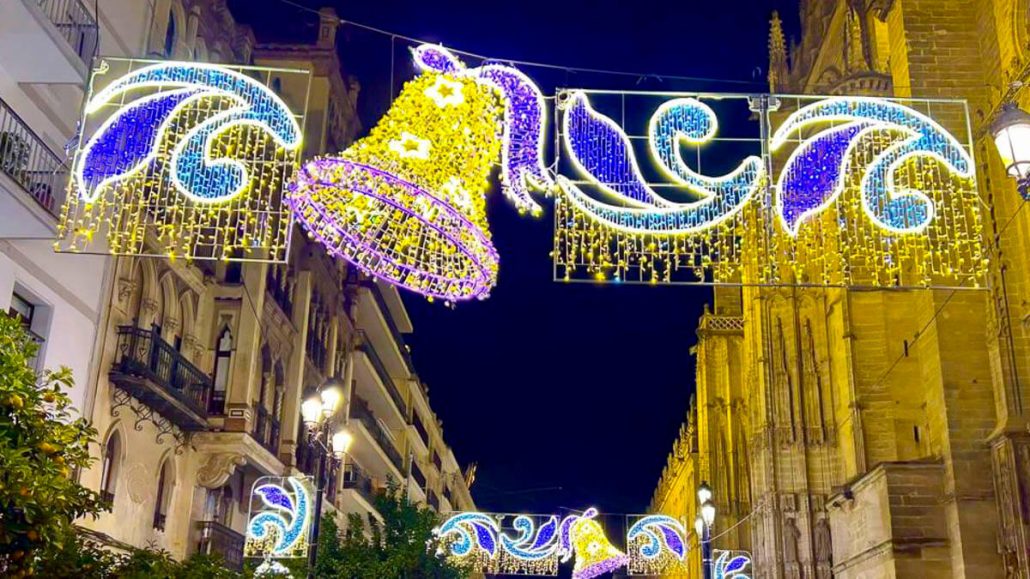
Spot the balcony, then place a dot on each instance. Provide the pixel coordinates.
(375, 317)
(47, 41)
(418, 476)
(356, 479)
(372, 356)
(360, 414)
(217, 539)
(434, 501)
(155, 373)
(34, 176)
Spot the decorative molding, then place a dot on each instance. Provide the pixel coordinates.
(218, 467)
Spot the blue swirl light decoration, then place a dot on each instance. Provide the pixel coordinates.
(816, 172)
(130, 140)
(532, 544)
(731, 565)
(603, 154)
(281, 529)
(470, 535)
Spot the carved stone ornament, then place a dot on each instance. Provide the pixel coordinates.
(125, 289)
(217, 469)
(149, 307)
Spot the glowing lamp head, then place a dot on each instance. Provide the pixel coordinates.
(341, 442)
(311, 411)
(331, 397)
(708, 512)
(704, 493)
(1011, 132)
(699, 526)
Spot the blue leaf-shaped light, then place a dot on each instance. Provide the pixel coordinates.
(127, 140)
(546, 534)
(275, 496)
(601, 150)
(814, 175)
(736, 564)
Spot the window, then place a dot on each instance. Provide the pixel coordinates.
(25, 312)
(223, 358)
(110, 466)
(164, 494)
(170, 35)
(22, 310)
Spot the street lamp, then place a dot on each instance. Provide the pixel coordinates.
(1011, 130)
(703, 525)
(317, 412)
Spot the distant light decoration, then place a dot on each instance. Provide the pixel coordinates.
(191, 156)
(529, 544)
(730, 564)
(854, 191)
(657, 545)
(282, 524)
(406, 204)
(595, 555)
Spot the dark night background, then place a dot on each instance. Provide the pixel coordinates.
(567, 396)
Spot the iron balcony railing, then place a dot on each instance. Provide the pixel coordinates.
(380, 368)
(143, 353)
(30, 163)
(76, 25)
(354, 477)
(217, 539)
(382, 438)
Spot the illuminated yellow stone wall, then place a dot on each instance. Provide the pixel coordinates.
(886, 431)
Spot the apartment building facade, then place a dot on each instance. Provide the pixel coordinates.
(193, 373)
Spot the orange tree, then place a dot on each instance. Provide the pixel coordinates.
(42, 440)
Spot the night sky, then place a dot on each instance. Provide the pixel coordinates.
(567, 396)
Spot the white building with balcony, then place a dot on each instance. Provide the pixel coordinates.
(46, 50)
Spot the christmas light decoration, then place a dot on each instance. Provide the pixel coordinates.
(657, 545)
(191, 156)
(595, 555)
(731, 564)
(280, 529)
(900, 185)
(804, 191)
(406, 204)
(490, 545)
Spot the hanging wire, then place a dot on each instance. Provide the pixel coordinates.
(640, 76)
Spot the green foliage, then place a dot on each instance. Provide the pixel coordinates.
(401, 546)
(74, 556)
(41, 442)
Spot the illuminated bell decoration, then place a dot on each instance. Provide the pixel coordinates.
(595, 555)
(406, 203)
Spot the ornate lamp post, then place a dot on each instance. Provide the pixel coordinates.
(1011, 132)
(703, 526)
(316, 412)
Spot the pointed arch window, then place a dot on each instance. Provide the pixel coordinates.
(223, 366)
(111, 466)
(170, 34)
(164, 494)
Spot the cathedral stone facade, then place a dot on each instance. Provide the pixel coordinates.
(877, 433)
